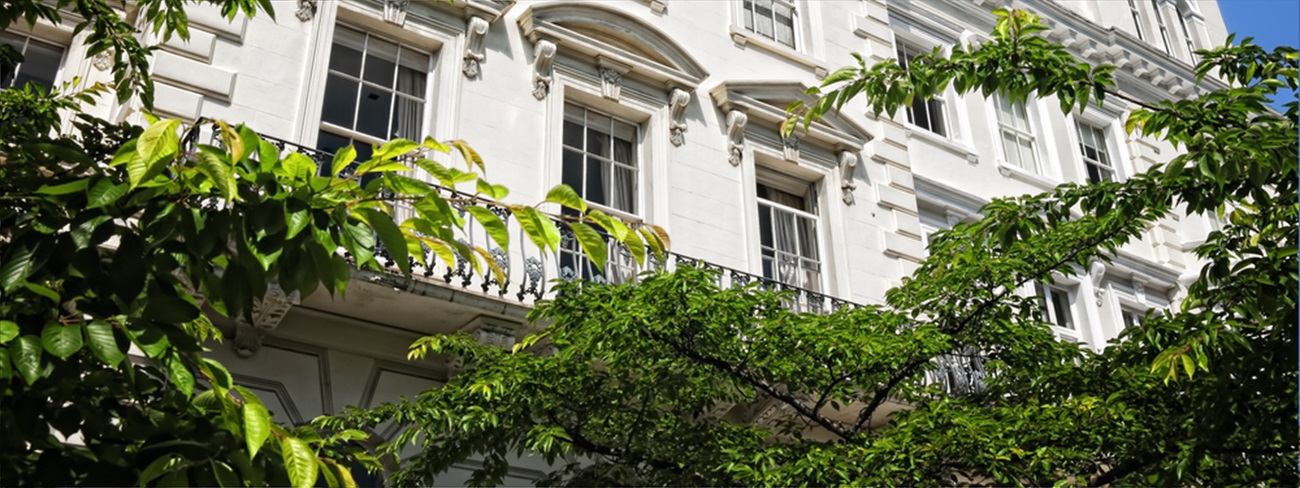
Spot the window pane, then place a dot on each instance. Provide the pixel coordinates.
(572, 171)
(1061, 304)
(597, 176)
(573, 133)
(1027, 155)
(763, 18)
(407, 114)
(411, 82)
(330, 142)
(339, 106)
(622, 190)
(381, 62)
(597, 139)
(765, 226)
(345, 56)
(40, 64)
(784, 24)
(623, 152)
(918, 114)
(373, 110)
(935, 111)
(1009, 147)
(808, 238)
(748, 14)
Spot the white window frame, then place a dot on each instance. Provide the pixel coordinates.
(361, 137)
(1183, 14)
(1030, 132)
(1137, 20)
(441, 83)
(1046, 293)
(796, 21)
(635, 165)
(27, 38)
(1108, 121)
(1085, 130)
(777, 180)
(1163, 27)
(902, 48)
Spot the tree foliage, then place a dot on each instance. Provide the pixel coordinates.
(117, 242)
(674, 381)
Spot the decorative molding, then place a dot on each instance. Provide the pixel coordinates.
(476, 29)
(953, 216)
(677, 103)
(658, 6)
(1097, 273)
(790, 147)
(267, 313)
(611, 83)
(765, 102)
(575, 27)
(395, 11)
(1140, 288)
(103, 61)
(306, 10)
(736, 121)
(848, 161)
(543, 58)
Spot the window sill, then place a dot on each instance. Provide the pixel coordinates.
(744, 38)
(957, 148)
(1011, 171)
(1065, 334)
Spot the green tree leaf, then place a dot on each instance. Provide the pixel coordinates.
(104, 193)
(99, 335)
(26, 355)
(216, 167)
(62, 341)
(391, 236)
(16, 268)
(564, 195)
(8, 331)
(492, 224)
(299, 461)
(257, 424)
(157, 146)
(592, 243)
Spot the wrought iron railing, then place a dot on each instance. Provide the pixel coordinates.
(529, 271)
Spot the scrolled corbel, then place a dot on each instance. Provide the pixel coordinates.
(543, 57)
(677, 116)
(848, 161)
(475, 36)
(736, 121)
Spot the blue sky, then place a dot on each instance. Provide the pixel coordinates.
(1270, 22)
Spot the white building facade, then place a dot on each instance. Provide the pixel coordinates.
(665, 111)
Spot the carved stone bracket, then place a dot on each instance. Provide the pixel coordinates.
(736, 121)
(658, 6)
(475, 36)
(790, 147)
(268, 312)
(848, 161)
(677, 112)
(953, 217)
(306, 10)
(395, 11)
(1140, 289)
(543, 57)
(1097, 273)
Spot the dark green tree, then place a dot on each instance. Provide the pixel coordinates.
(649, 384)
(114, 236)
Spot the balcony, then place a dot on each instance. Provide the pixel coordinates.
(529, 272)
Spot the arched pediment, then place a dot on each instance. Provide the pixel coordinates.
(603, 33)
(766, 101)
